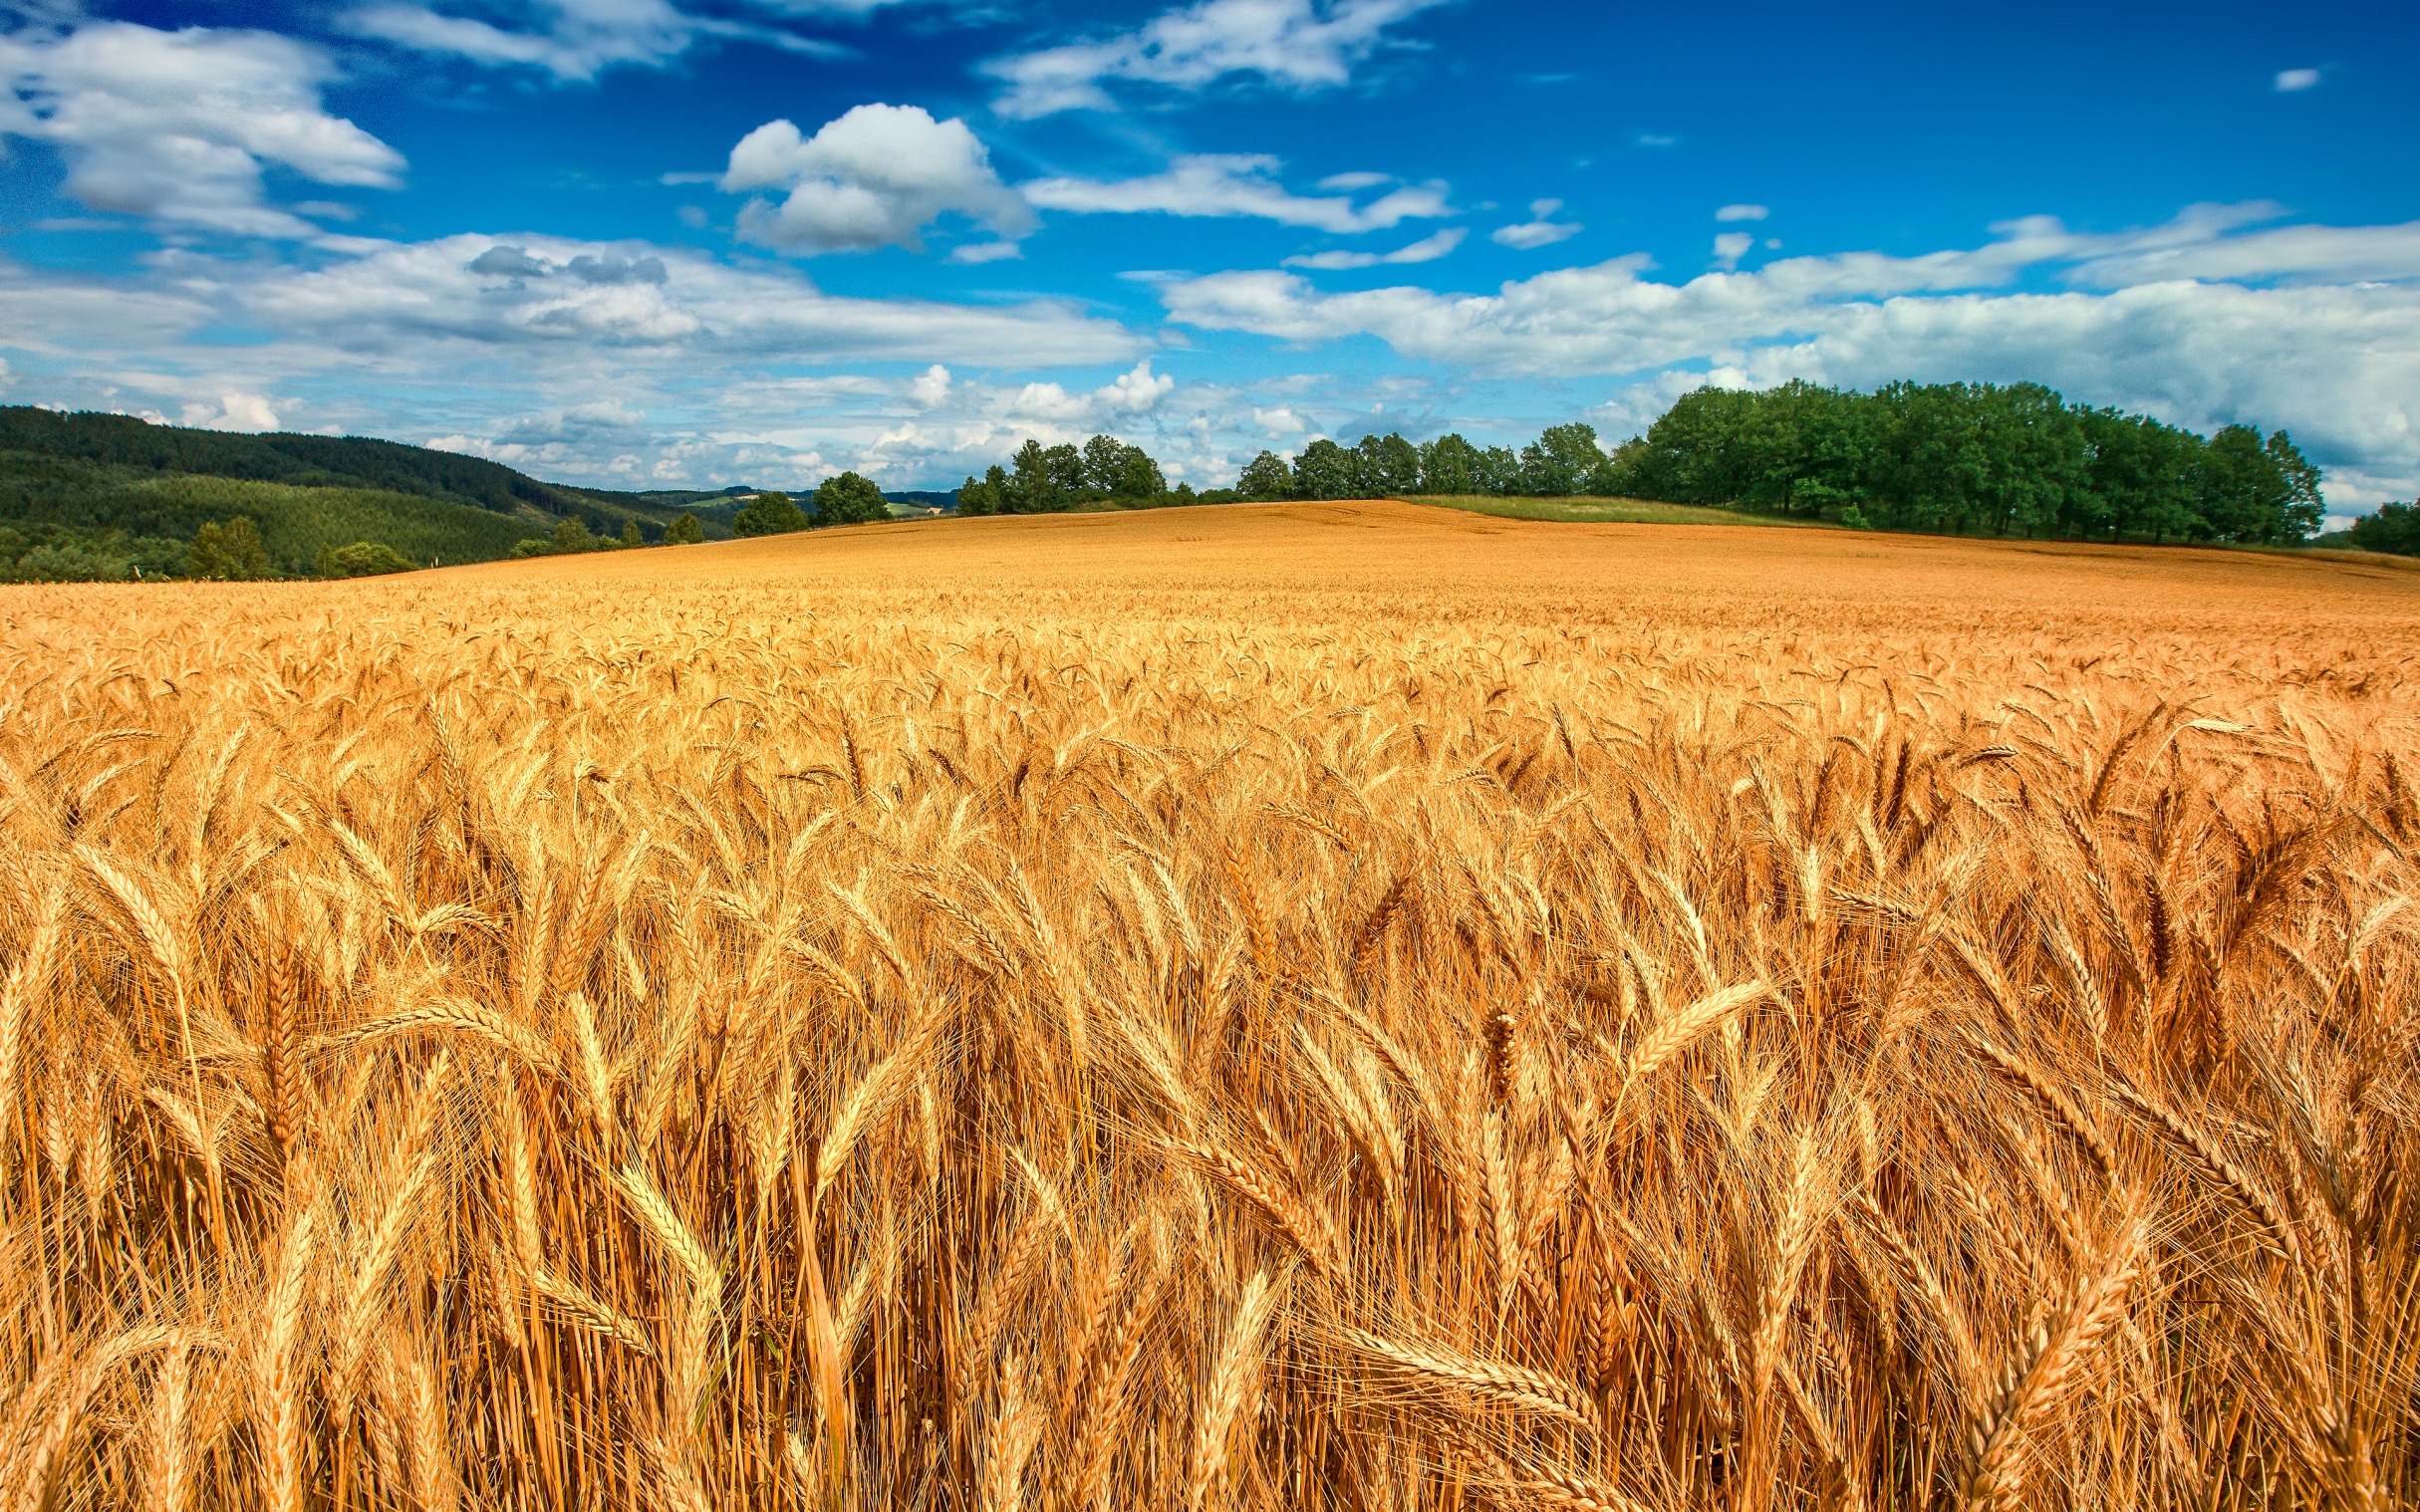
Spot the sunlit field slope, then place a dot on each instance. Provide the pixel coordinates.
(1349, 1006)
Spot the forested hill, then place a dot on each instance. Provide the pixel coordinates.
(310, 462)
(111, 496)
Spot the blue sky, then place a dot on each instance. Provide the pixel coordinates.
(650, 243)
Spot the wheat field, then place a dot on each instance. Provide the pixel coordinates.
(1291, 1007)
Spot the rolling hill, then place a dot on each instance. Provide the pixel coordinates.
(108, 496)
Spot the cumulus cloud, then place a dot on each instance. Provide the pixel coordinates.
(2294, 81)
(1136, 392)
(1540, 230)
(619, 363)
(1426, 250)
(874, 177)
(2338, 363)
(1742, 212)
(1296, 45)
(233, 411)
(1237, 184)
(178, 126)
(1729, 247)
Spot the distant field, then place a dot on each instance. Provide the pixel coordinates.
(1325, 1005)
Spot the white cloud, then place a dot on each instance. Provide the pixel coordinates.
(874, 177)
(986, 252)
(2292, 81)
(1348, 183)
(1742, 212)
(233, 411)
(578, 39)
(1729, 247)
(1230, 185)
(1136, 392)
(1288, 44)
(1540, 230)
(1426, 250)
(2337, 364)
(625, 365)
(179, 125)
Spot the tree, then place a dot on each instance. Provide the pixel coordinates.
(2305, 508)
(684, 530)
(1104, 464)
(1064, 465)
(993, 497)
(1448, 465)
(1326, 470)
(1389, 464)
(1032, 491)
(571, 534)
(631, 534)
(2394, 527)
(1562, 461)
(363, 559)
(1498, 471)
(849, 500)
(1267, 477)
(769, 514)
(1139, 477)
(229, 553)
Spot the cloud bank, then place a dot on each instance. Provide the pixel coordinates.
(178, 126)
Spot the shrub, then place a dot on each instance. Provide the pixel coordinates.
(769, 514)
(229, 553)
(363, 559)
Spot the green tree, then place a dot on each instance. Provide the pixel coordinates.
(363, 559)
(1500, 471)
(229, 553)
(1561, 461)
(1065, 467)
(1139, 477)
(2391, 528)
(987, 498)
(849, 500)
(1104, 464)
(572, 534)
(2305, 508)
(1448, 465)
(1389, 464)
(631, 534)
(1033, 491)
(769, 514)
(1267, 477)
(684, 530)
(1326, 470)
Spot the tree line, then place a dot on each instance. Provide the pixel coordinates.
(1967, 459)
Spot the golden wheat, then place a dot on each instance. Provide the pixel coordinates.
(1265, 1008)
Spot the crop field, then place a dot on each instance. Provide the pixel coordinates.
(1306, 1006)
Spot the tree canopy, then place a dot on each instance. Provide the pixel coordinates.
(1963, 457)
(769, 514)
(849, 500)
